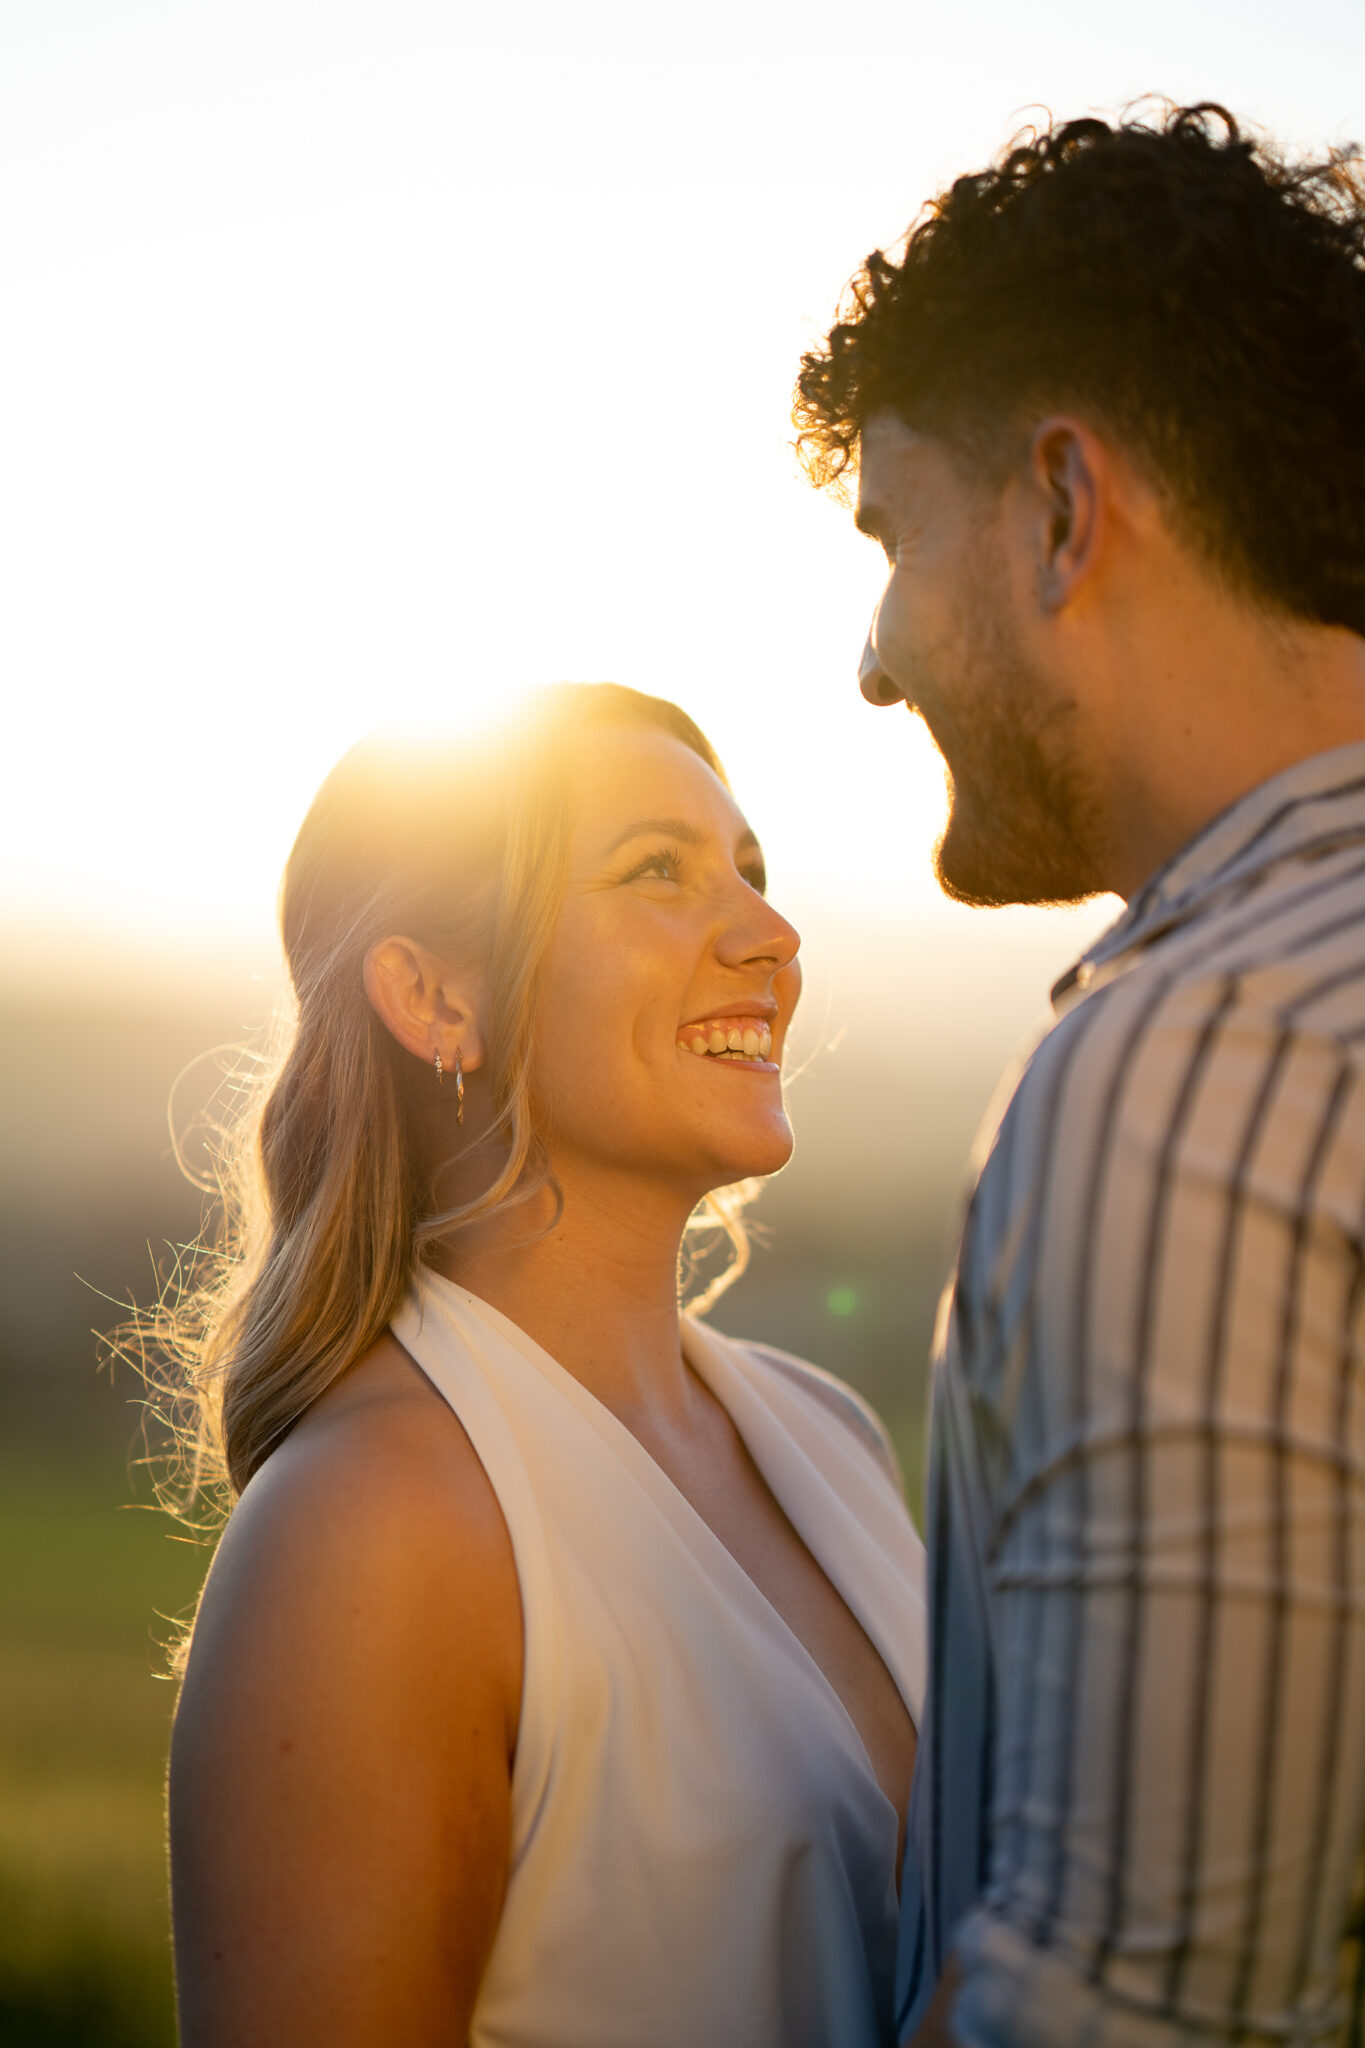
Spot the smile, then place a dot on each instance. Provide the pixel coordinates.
(727, 1038)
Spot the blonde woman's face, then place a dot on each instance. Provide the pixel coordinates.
(670, 979)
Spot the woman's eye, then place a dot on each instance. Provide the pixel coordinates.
(663, 866)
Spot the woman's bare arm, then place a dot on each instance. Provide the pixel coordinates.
(340, 1804)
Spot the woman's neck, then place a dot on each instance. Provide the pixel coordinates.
(598, 1290)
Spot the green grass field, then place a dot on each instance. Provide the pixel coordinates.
(84, 1723)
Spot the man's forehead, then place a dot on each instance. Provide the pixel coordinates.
(891, 459)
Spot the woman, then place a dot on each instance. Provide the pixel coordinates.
(556, 1677)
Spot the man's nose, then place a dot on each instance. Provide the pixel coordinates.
(873, 680)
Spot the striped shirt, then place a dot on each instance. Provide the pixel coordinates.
(1139, 1811)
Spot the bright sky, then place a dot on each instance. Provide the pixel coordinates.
(363, 360)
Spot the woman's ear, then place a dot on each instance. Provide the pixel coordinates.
(428, 1005)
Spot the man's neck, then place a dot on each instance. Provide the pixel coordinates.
(1216, 716)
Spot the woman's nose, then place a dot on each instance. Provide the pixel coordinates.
(768, 937)
(756, 932)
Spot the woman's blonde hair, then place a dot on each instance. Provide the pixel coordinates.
(327, 1175)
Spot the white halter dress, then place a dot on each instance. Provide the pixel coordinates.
(701, 1854)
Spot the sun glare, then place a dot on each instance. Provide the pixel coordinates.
(373, 416)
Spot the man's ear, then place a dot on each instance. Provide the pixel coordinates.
(429, 1006)
(1068, 469)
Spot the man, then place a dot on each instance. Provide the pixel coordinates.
(1108, 419)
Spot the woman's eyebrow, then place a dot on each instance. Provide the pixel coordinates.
(677, 828)
(668, 828)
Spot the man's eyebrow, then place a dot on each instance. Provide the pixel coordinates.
(674, 828)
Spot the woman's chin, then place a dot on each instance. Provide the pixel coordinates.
(758, 1158)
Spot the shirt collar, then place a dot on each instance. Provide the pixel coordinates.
(1311, 808)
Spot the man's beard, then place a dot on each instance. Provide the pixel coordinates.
(1023, 824)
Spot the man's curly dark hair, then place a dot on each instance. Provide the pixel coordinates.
(1177, 281)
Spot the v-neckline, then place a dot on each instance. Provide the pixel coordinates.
(628, 1448)
(718, 1358)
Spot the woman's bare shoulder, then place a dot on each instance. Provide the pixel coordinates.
(373, 1531)
(381, 1441)
(341, 1766)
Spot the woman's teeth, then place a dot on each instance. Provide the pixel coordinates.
(727, 1038)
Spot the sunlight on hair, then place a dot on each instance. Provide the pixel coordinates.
(468, 713)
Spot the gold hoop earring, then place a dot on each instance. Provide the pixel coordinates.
(459, 1087)
(440, 1071)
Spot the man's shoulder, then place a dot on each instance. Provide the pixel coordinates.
(1179, 1027)
(1271, 943)
(1295, 969)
